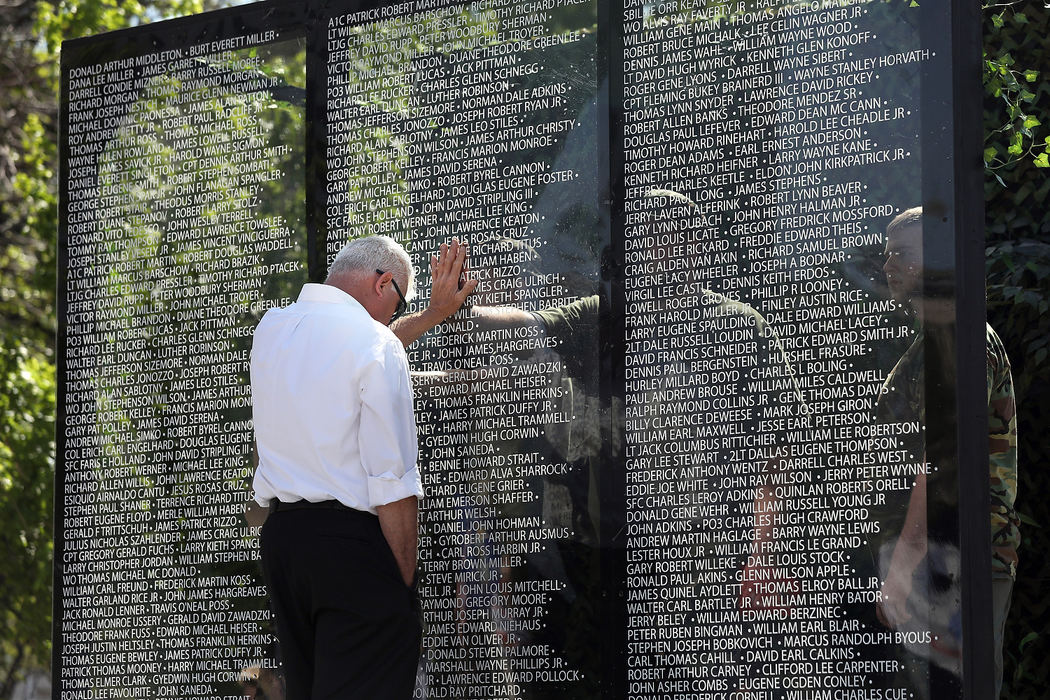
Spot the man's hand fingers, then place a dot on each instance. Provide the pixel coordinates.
(460, 261)
(449, 287)
(452, 256)
(453, 250)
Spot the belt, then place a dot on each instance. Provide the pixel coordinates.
(276, 505)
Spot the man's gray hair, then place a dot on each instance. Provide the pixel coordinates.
(371, 253)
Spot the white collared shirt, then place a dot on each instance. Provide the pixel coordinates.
(332, 405)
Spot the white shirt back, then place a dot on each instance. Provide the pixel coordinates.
(332, 405)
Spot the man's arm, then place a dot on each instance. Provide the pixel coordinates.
(892, 608)
(389, 453)
(493, 317)
(400, 525)
(448, 292)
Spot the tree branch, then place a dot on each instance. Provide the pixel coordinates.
(9, 681)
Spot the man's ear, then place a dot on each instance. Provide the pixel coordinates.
(380, 281)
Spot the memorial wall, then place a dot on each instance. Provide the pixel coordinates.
(765, 150)
(671, 445)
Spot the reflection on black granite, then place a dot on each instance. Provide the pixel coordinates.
(487, 132)
(189, 224)
(784, 433)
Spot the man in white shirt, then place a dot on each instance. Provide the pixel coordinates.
(336, 442)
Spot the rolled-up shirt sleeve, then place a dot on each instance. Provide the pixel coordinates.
(387, 438)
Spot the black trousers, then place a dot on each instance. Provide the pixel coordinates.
(347, 624)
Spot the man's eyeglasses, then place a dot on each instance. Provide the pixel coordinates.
(402, 303)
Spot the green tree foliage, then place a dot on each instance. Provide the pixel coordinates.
(1017, 196)
(28, 219)
(27, 409)
(30, 35)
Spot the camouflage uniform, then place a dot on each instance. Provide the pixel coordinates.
(1002, 447)
(902, 400)
(1002, 458)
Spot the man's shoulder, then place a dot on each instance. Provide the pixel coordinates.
(997, 360)
(365, 338)
(269, 322)
(335, 325)
(994, 345)
(389, 344)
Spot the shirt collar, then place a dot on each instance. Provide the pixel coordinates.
(325, 294)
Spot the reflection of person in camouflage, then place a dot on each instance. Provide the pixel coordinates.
(755, 373)
(903, 399)
(557, 466)
(258, 683)
(564, 343)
